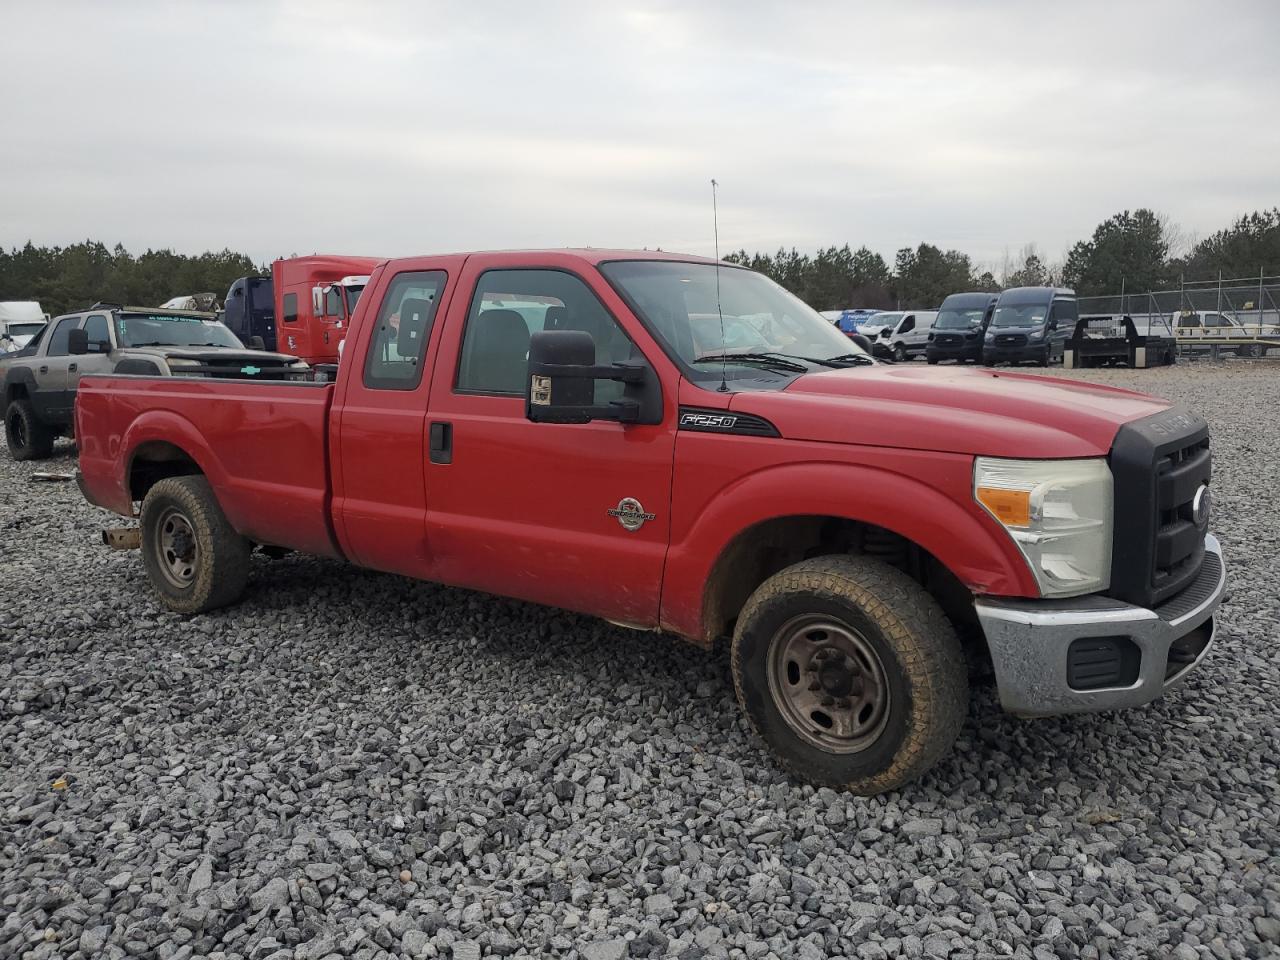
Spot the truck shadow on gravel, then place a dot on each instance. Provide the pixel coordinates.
(565, 669)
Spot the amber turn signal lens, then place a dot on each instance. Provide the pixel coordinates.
(1011, 507)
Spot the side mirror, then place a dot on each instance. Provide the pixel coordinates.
(77, 342)
(561, 386)
(257, 343)
(317, 301)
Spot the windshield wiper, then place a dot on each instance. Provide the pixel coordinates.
(844, 360)
(776, 360)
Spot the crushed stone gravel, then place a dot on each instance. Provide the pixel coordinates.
(349, 764)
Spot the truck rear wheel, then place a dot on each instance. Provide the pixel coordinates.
(27, 437)
(193, 557)
(850, 672)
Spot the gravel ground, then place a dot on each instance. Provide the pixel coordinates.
(356, 765)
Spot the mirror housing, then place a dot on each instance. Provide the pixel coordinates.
(77, 342)
(561, 382)
(317, 301)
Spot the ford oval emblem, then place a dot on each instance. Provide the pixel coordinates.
(1202, 505)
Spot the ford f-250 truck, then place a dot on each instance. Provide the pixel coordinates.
(545, 425)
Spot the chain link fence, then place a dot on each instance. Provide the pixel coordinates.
(1253, 304)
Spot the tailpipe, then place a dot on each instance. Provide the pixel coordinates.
(122, 538)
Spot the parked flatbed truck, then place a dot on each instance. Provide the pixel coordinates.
(1113, 340)
(543, 425)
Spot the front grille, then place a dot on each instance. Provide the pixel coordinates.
(1011, 340)
(947, 340)
(1159, 463)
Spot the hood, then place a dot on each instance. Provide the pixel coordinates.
(951, 409)
(222, 356)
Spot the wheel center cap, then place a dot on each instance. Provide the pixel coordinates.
(836, 680)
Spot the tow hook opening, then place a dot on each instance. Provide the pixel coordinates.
(122, 538)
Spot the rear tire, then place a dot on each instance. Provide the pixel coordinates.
(850, 672)
(193, 557)
(27, 437)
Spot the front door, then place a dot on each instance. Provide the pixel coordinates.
(98, 359)
(571, 515)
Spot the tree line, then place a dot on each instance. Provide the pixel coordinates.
(71, 278)
(1139, 250)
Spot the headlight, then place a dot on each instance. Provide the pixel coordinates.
(1059, 513)
(991, 338)
(1037, 334)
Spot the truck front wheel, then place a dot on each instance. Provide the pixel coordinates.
(850, 672)
(27, 437)
(193, 557)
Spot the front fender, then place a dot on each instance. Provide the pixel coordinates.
(958, 533)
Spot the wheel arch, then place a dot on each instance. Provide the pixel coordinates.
(743, 537)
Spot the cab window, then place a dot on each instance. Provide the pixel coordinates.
(290, 306)
(1066, 313)
(61, 334)
(509, 306)
(97, 330)
(399, 342)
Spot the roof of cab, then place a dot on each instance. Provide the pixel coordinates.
(591, 255)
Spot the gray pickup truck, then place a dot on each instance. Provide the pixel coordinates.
(38, 383)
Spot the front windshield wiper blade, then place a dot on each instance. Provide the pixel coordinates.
(844, 360)
(776, 360)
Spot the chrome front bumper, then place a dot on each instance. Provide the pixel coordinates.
(1030, 640)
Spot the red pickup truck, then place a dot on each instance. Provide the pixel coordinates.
(674, 444)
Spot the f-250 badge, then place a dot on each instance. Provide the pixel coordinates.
(630, 514)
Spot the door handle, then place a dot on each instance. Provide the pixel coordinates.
(441, 442)
(45, 368)
(72, 367)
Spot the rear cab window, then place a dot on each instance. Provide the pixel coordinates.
(405, 317)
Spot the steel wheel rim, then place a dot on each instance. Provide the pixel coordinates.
(177, 547)
(829, 684)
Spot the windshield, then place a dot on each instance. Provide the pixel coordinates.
(1020, 315)
(883, 320)
(678, 302)
(151, 330)
(23, 329)
(262, 294)
(960, 319)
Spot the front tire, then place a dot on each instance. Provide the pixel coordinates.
(899, 353)
(26, 436)
(850, 672)
(193, 557)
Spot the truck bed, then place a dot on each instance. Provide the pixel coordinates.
(263, 445)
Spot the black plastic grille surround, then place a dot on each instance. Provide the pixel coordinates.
(1011, 339)
(1159, 463)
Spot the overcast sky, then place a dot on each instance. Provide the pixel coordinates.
(363, 128)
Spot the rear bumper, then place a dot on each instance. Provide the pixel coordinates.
(1031, 644)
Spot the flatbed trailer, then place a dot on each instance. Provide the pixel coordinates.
(1101, 340)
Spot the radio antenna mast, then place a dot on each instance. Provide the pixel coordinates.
(715, 222)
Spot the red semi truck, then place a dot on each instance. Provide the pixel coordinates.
(553, 426)
(303, 308)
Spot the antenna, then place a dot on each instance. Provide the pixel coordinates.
(715, 222)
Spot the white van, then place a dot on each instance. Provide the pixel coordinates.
(907, 338)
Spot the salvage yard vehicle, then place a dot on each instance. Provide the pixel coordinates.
(962, 322)
(1030, 323)
(20, 320)
(908, 338)
(861, 531)
(303, 308)
(1103, 340)
(38, 385)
